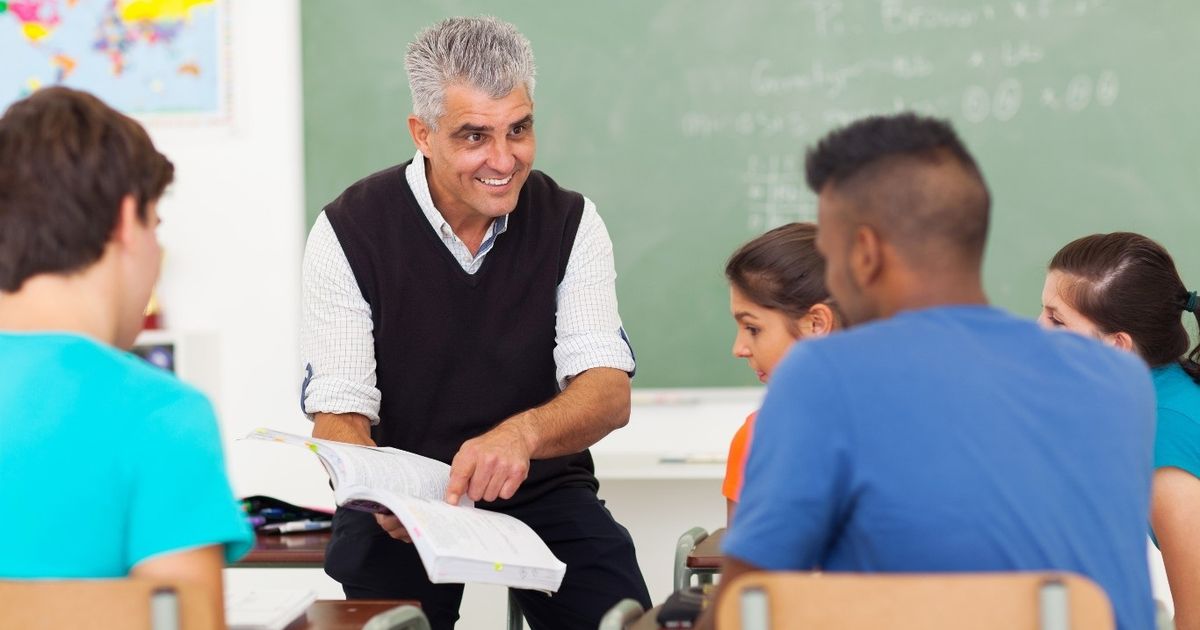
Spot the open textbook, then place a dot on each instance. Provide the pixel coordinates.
(457, 543)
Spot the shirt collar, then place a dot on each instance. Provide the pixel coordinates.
(415, 173)
(1164, 374)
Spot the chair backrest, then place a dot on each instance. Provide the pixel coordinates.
(135, 604)
(978, 601)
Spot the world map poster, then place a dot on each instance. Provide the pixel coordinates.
(143, 57)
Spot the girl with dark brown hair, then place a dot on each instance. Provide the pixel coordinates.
(777, 296)
(1124, 289)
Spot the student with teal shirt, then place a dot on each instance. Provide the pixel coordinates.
(1123, 289)
(109, 467)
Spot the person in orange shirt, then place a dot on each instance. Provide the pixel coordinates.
(777, 296)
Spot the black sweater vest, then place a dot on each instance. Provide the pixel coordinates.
(458, 353)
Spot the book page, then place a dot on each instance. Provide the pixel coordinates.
(373, 467)
(265, 609)
(472, 533)
(392, 469)
(468, 533)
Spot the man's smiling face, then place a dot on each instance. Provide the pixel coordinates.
(480, 154)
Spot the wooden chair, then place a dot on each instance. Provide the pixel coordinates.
(135, 604)
(982, 601)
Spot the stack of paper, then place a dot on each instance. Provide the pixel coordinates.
(265, 609)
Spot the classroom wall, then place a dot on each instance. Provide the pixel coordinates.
(233, 234)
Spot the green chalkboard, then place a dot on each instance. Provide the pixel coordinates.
(686, 122)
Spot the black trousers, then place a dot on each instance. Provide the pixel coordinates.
(601, 566)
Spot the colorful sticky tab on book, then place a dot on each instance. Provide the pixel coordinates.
(312, 447)
(499, 567)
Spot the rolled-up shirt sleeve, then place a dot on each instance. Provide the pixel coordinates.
(337, 344)
(588, 331)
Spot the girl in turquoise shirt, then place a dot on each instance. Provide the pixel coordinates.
(1123, 289)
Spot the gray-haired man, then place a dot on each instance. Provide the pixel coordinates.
(463, 306)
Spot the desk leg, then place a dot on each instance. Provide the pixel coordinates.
(515, 621)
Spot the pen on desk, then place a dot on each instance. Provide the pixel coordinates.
(297, 526)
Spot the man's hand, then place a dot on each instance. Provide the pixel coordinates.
(491, 465)
(495, 464)
(392, 526)
(353, 428)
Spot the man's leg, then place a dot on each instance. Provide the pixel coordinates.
(602, 568)
(371, 565)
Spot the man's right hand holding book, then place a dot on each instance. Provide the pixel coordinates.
(353, 428)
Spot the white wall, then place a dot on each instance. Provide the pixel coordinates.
(233, 231)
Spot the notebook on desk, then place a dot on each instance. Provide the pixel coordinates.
(266, 609)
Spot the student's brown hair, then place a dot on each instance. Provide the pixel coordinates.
(1125, 282)
(782, 270)
(66, 162)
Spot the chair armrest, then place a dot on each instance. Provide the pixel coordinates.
(687, 542)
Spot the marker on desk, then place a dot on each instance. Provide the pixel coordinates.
(297, 526)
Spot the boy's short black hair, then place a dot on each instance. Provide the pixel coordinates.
(911, 178)
(844, 152)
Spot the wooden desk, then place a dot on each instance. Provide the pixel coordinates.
(300, 550)
(707, 555)
(307, 550)
(341, 614)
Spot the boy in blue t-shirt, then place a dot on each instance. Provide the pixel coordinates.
(108, 467)
(939, 434)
